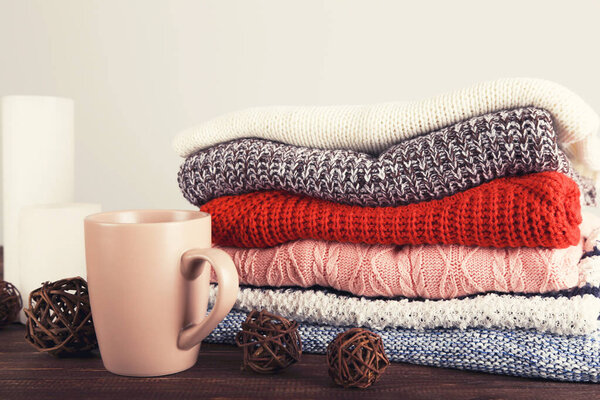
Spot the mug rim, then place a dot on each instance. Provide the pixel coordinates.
(106, 218)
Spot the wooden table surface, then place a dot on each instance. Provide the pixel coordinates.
(27, 374)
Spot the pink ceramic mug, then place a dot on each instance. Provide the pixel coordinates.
(148, 281)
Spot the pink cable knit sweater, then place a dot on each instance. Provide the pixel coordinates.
(426, 271)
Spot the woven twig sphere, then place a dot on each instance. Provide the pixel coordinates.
(10, 303)
(356, 358)
(59, 318)
(271, 343)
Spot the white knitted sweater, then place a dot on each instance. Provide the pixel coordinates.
(374, 128)
(566, 316)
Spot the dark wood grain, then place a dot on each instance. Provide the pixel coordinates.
(27, 374)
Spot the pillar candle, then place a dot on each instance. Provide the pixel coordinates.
(51, 245)
(38, 163)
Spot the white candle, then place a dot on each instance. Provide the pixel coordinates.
(38, 163)
(51, 245)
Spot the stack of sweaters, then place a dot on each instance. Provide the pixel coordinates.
(452, 227)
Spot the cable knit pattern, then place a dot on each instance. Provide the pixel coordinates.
(428, 167)
(375, 128)
(426, 271)
(577, 315)
(534, 210)
(310, 263)
(518, 352)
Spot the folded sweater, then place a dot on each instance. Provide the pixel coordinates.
(570, 312)
(424, 271)
(427, 167)
(518, 352)
(374, 128)
(525, 211)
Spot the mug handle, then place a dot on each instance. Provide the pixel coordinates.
(193, 263)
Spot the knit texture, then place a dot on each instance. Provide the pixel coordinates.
(425, 271)
(427, 167)
(565, 315)
(374, 128)
(518, 352)
(526, 211)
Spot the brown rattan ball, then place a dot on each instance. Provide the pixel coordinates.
(356, 358)
(10, 303)
(59, 318)
(271, 343)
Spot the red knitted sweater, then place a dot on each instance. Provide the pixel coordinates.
(525, 211)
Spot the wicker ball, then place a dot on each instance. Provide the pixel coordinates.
(10, 303)
(271, 343)
(59, 318)
(356, 358)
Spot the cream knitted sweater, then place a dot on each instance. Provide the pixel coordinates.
(374, 128)
(577, 315)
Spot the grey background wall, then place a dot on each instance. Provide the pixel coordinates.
(141, 70)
